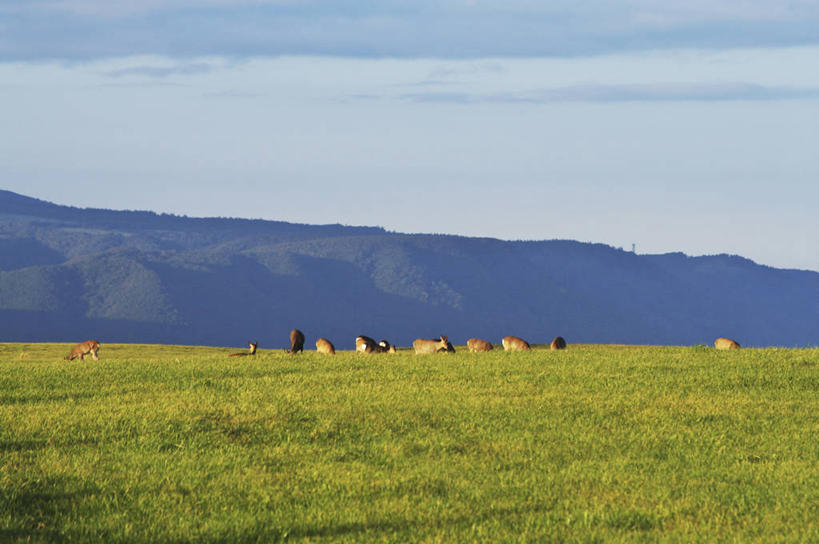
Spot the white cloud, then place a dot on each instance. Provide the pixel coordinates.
(658, 92)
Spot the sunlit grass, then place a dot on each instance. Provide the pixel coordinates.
(593, 444)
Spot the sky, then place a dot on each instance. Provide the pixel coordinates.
(672, 125)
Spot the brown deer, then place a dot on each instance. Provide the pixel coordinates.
(296, 341)
(725, 343)
(558, 343)
(513, 343)
(325, 346)
(365, 344)
(422, 346)
(84, 348)
(252, 350)
(476, 344)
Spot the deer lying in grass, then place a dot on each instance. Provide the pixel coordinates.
(513, 343)
(84, 348)
(423, 346)
(251, 351)
(725, 343)
(476, 344)
(558, 343)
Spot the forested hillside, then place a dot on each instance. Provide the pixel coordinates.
(129, 276)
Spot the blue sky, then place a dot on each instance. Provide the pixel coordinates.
(677, 126)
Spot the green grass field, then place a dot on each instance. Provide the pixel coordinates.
(594, 444)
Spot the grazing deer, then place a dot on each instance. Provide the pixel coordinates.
(476, 344)
(448, 349)
(365, 344)
(325, 346)
(431, 346)
(513, 343)
(246, 353)
(386, 347)
(84, 348)
(558, 343)
(725, 343)
(296, 341)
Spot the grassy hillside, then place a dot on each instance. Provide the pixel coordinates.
(594, 444)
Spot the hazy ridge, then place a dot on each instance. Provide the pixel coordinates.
(133, 276)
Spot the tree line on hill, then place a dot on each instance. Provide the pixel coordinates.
(68, 274)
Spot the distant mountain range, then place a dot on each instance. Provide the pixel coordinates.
(70, 274)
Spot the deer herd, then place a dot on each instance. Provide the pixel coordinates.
(365, 344)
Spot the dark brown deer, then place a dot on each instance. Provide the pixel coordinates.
(296, 341)
(513, 343)
(251, 351)
(558, 343)
(423, 346)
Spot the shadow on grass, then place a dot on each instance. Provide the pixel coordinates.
(33, 445)
(36, 508)
(33, 535)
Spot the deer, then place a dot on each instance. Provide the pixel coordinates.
(252, 350)
(423, 346)
(325, 346)
(386, 347)
(296, 341)
(725, 343)
(365, 344)
(513, 343)
(82, 349)
(476, 344)
(448, 349)
(558, 343)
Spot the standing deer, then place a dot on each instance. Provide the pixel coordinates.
(513, 343)
(252, 350)
(82, 349)
(431, 346)
(558, 343)
(476, 344)
(725, 343)
(296, 341)
(325, 346)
